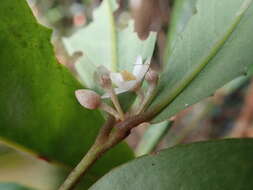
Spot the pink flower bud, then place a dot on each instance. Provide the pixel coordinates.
(105, 81)
(88, 99)
(152, 76)
(102, 77)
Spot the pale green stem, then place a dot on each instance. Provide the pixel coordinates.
(92, 155)
(140, 94)
(109, 110)
(105, 140)
(116, 103)
(148, 97)
(88, 160)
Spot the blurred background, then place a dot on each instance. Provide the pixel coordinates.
(228, 113)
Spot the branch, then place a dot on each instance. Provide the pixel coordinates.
(90, 158)
(106, 140)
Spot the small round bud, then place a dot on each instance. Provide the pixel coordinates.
(105, 81)
(152, 76)
(88, 99)
(102, 76)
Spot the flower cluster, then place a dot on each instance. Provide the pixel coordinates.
(115, 83)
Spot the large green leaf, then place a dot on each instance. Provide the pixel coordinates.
(103, 43)
(13, 186)
(38, 109)
(215, 165)
(214, 48)
(29, 171)
(182, 11)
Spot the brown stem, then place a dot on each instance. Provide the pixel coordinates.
(105, 141)
(106, 129)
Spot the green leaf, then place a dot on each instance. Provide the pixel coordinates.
(214, 48)
(152, 136)
(17, 167)
(223, 164)
(103, 43)
(12, 186)
(38, 108)
(182, 11)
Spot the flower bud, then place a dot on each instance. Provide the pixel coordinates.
(102, 76)
(152, 76)
(105, 81)
(88, 99)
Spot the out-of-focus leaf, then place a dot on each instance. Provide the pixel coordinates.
(223, 164)
(102, 43)
(152, 137)
(29, 171)
(38, 108)
(13, 186)
(86, 1)
(182, 12)
(214, 48)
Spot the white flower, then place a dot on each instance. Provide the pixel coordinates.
(126, 81)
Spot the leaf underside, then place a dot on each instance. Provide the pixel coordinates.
(182, 11)
(214, 48)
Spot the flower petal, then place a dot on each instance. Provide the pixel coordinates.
(117, 91)
(128, 85)
(144, 69)
(137, 66)
(117, 79)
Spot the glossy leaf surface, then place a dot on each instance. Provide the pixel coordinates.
(223, 164)
(38, 108)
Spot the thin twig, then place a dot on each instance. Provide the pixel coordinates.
(106, 129)
(116, 103)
